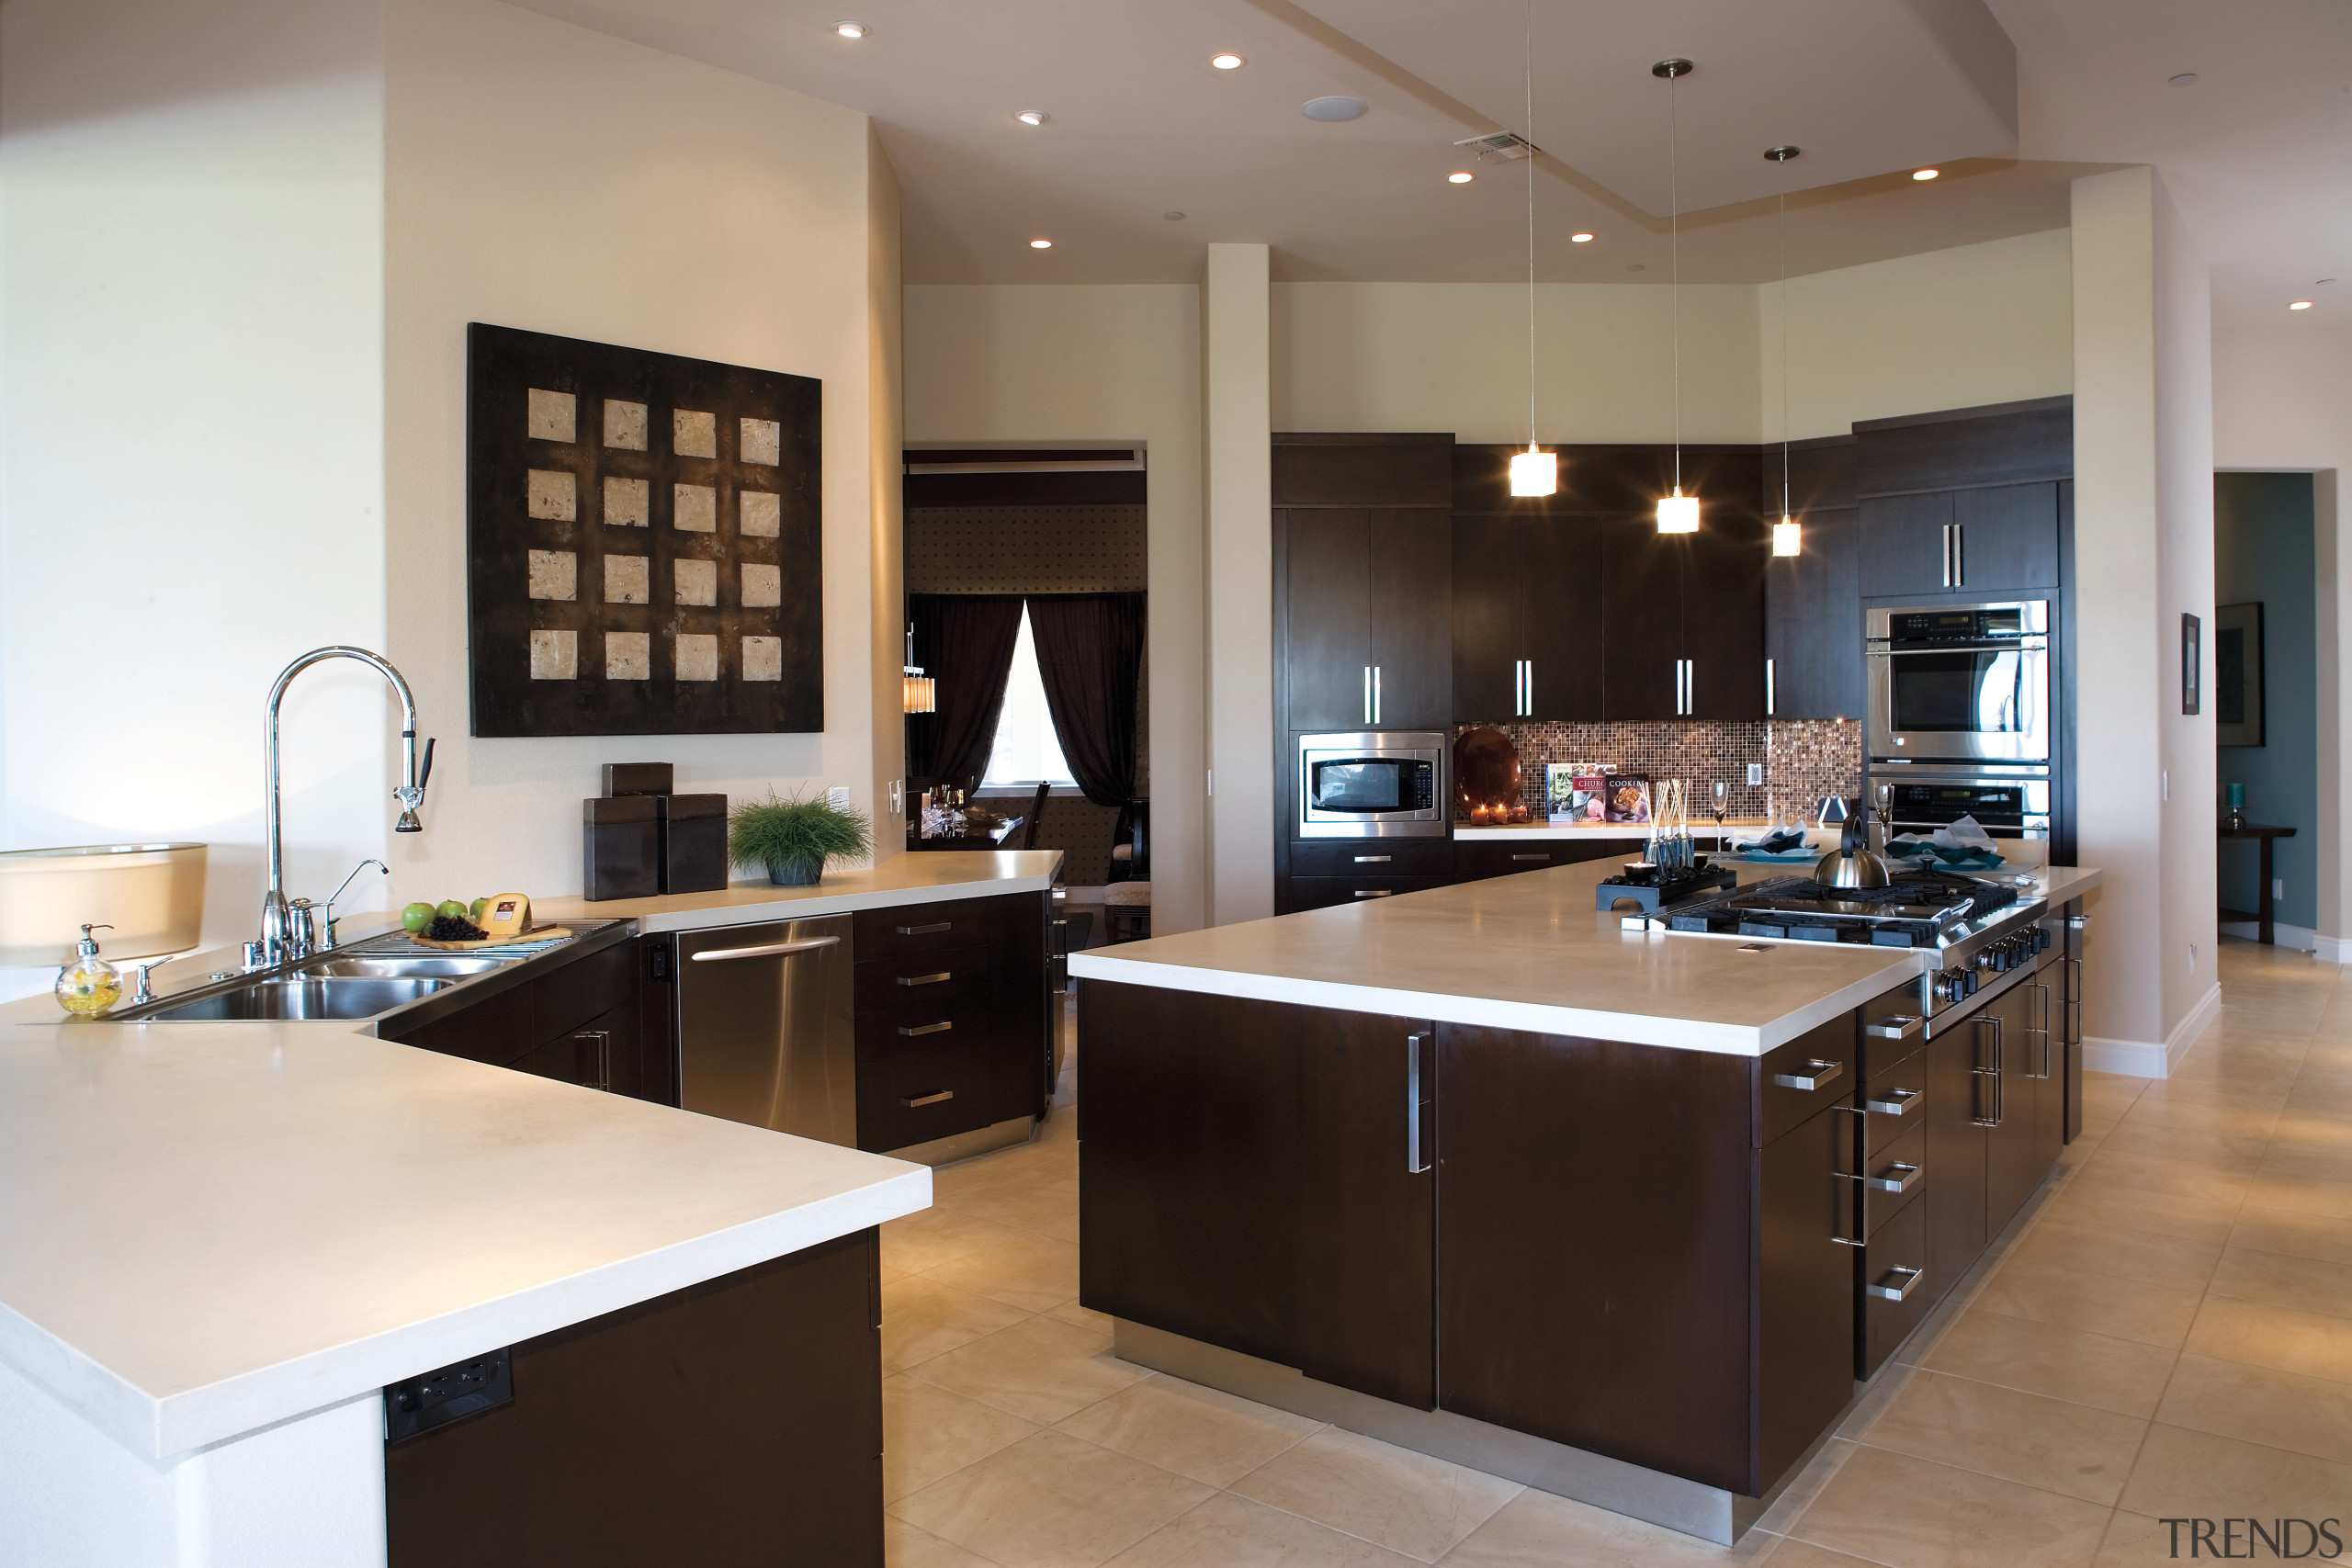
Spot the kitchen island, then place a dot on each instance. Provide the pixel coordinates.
(1622, 1215)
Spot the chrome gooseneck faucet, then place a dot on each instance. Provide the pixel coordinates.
(282, 936)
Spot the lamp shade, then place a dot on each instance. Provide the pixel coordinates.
(1788, 536)
(152, 895)
(1678, 513)
(919, 691)
(1534, 473)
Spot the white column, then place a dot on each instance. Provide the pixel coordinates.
(1236, 431)
(2143, 554)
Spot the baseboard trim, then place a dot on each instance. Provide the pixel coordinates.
(964, 1145)
(2146, 1059)
(2302, 938)
(2332, 949)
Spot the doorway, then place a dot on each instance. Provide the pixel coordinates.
(2265, 677)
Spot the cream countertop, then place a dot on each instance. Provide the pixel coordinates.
(206, 1228)
(1529, 952)
(917, 877)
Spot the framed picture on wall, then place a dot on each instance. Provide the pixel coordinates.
(2237, 675)
(2192, 664)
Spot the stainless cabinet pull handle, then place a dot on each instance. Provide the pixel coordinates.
(911, 1101)
(1416, 1158)
(1768, 688)
(1367, 694)
(1960, 554)
(1898, 1026)
(1531, 857)
(766, 950)
(926, 1028)
(1374, 860)
(1896, 1282)
(1894, 1101)
(933, 930)
(1376, 694)
(1816, 1073)
(1897, 1177)
(1374, 892)
(932, 980)
(1992, 1072)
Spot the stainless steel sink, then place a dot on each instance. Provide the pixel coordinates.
(394, 966)
(341, 998)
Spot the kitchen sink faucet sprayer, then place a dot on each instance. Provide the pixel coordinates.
(283, 936)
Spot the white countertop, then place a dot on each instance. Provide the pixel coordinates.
(206, 1228)
(917, 877)
(1529, 952)
(1702, 829)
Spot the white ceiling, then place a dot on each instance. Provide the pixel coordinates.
(1141, 125)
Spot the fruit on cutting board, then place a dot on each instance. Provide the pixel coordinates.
(474, 909)
(454, 928)
(451, 908)
(416, 917)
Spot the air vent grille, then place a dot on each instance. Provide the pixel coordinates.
(1503, 146)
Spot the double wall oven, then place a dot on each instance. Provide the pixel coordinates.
(1961, 714)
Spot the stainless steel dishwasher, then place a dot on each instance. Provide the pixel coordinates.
(764, 1028)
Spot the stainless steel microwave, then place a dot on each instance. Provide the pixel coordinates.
(1373, 784)
(1960, 683)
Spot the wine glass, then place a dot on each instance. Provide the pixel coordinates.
(1721, 810)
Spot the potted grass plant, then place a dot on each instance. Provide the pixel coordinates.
(793, 838)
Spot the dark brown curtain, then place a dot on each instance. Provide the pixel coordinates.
(1090, 651)
(964, 642)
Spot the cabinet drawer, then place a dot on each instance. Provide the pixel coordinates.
(1361, 857)
(931, 1094)
(895, 987)
(1322, 892)
(1785, 1072)
(1899, 1247)
(599, 1054)
(915, 930)
(581, 991)
(966, 1024)
(1477, 861)
(1894, 1101)
(1901, 1161)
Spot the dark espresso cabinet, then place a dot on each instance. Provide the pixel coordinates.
(1528, 601)
(1964, 503)
(1682, 634)
(580, 1016)
(1813, 628)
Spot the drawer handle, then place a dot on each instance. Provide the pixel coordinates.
(1531, 857)
(1898, 1177)
(927, 930)
(1816, 1073)
(766, 950)
(1374, 860)
(1894, 1102)
(926, 1028)
(1902, 1026)
(911, 1101)
(1896, 1283)
(1374, 892)
(926, 979)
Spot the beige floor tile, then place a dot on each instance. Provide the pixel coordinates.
(1023, 1270)
(2261, 1405)
(929, 1431)
(2135, 1541)
(904, 1546)
(2165, 1176)
(1536, 1530)
(1805, 1554)
(2294, 1233)
(2121, 1375)
(925, 1240)
(2298, 1157)
(2120, 1309)
(1227, 1532)
(999, 1169)
(2123, 1253)
(922, 1317)
(2276, 1189)
(2198, 1475)
(1046, 1204)
(1050, 1501)
(1909, 1513)
(1085, 1317)
(1797, 1495)
(1407, 1502)
(2284, 1280)
(2049, 1443)
(1039, 1369)
(2314, 1343)
(2114, 1208)
(1212, 1436)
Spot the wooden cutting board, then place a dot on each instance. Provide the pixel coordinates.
(542, 933)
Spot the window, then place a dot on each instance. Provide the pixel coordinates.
(1026, 752)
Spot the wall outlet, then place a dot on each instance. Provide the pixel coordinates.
(838, 797)
(1756, 772)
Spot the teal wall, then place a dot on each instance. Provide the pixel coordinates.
(2263, 551)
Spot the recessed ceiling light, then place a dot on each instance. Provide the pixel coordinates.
(1032, 116)
(1332, 109)
(1041, 245)
(2183, 80)
(1925, 174)
(2300, 305)
(850, 29)
(1460, 177)
(1228, 62)
(1580, 239)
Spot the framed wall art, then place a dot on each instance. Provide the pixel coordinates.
(2237, 675)
(642, 542)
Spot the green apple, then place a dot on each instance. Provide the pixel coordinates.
(416, 917)
(452, 909)
(474, 909)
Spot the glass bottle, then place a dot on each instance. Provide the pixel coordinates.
(88, 986)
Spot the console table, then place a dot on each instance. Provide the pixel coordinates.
(2263, 908)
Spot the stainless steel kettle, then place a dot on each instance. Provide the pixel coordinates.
(1853, 864)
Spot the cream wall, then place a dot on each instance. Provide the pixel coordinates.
(191, 408)
(544, 176)
(1114, 362)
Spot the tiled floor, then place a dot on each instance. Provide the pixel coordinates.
(2167, 1332)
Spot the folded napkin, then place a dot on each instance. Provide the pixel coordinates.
(1780, 838)
(1963, 844)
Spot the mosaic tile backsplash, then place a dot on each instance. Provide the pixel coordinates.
(1803, 759)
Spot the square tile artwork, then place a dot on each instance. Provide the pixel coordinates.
(643, 542)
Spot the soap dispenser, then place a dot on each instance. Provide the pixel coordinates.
(88, 986)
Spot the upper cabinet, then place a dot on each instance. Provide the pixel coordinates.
(1527, 612)
(1813, 630)
(1965, 503)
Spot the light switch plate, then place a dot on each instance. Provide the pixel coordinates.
(898, 797)
(1756, 772)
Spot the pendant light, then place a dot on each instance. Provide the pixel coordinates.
(1677, 513)
(917, 693)
(1533, 472)
(1788, 536)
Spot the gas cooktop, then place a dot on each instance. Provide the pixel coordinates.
(1926, 909)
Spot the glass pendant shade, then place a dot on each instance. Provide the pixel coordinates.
(919, 691)
(1788, 537)
(1534, 473)
(1678, 513)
